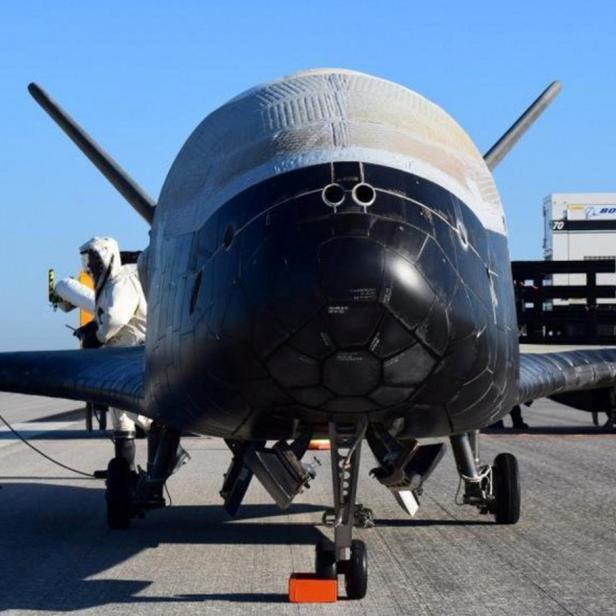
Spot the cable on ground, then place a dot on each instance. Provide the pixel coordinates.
(24, 440)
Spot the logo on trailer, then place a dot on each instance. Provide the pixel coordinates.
(604, 212)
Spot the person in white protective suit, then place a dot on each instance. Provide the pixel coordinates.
(120, 311)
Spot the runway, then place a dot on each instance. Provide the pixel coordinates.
(56, 554)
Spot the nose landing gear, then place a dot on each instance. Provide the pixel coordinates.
(345, 556)
(492, 489)
(351, 555)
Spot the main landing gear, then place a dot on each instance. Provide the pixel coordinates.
(345, 555)
(131, 493)
(121, 483)
(492, 489)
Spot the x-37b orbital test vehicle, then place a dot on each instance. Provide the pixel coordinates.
(328, 258)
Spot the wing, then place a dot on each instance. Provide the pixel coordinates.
(550, 374)
(111, 376)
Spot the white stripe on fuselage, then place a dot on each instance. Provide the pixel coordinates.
(318, 117)
(491, 217)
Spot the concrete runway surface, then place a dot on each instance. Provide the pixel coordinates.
(56, 554)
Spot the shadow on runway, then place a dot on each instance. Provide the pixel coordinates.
(49, 478)
(409, 523)
(239, 597)
(53, 538)
(554, 431)
(77, 414)
(35, 434)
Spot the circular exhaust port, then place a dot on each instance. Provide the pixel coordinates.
(333, 195)
(364, 194)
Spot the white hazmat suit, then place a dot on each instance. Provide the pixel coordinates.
(120, 310)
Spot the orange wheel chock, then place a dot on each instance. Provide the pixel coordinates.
(321, 444)
(308, 588)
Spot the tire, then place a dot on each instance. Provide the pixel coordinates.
(356, 575)
(325, 561)
(118, 493)
(506, 478)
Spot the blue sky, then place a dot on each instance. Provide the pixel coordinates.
(139, 76)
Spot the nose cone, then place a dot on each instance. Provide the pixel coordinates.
(374, 301)
(350, 323)
(316, 309)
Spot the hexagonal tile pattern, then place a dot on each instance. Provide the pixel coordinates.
(408, 368)
(351, 373)
(292, 368)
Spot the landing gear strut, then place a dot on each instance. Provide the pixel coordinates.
(492, 489)
(129, 493)
(345, 556)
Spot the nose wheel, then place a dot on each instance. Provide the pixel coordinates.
(354, 569)
(326, 566)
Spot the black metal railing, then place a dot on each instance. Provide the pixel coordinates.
(546, 313)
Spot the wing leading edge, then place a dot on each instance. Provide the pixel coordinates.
(549, 374)
(112, 376)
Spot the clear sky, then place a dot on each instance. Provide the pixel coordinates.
(139, 76)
